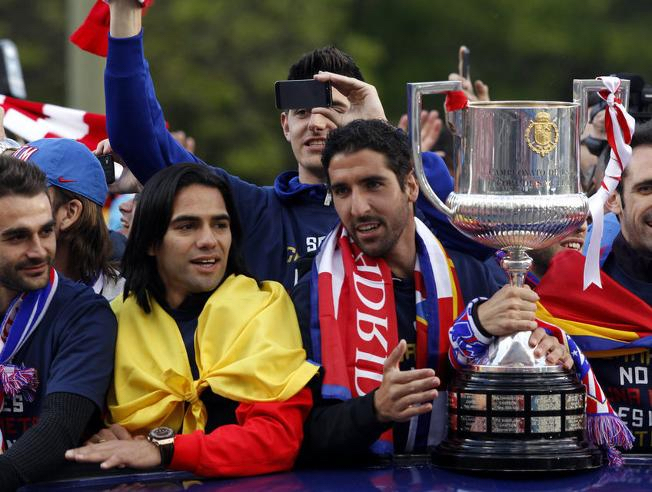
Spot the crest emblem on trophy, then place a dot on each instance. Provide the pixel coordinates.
(546, 134)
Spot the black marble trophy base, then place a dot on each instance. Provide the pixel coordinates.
(513, 419)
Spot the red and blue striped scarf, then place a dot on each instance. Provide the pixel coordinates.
(20, 321)
(353, 315)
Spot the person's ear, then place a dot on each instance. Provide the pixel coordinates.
(412, 187)
(72, 210)
(285, 125)
(614, 203)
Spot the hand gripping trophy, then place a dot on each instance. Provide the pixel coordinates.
(516, 188)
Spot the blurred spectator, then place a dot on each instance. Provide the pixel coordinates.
(594, 149)
(120, 213)
(78, 189)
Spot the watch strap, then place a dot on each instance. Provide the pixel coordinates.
(167, 452)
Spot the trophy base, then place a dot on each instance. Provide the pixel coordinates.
(516, 456)
(516, 419)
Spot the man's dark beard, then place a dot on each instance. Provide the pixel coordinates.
(12, 280)
(381, 223)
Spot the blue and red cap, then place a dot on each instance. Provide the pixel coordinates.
(69, 165)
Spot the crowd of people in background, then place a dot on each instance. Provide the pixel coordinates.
(229, 329)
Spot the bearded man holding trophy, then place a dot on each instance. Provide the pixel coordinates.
(517, 188)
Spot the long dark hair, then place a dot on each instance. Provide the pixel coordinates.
(88, 238)
(151, 220)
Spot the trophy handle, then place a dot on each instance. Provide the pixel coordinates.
(414, 92)
(581, 90)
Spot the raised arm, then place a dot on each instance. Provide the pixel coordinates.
(135, 120)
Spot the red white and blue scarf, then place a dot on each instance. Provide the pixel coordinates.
(561, 291)
(353, 316)
(603, 426)
(20, 321)
(605, 322)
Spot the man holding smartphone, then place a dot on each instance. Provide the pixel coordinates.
(282, 224)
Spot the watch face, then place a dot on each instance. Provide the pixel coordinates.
(161, 433)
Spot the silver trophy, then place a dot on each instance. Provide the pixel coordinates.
(517, 188)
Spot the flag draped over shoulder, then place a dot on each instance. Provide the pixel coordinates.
(604, 322)
(247, 349)
(33, 120)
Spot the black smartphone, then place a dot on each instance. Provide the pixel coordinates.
(303, 94)
(106, 160)
(466, 62)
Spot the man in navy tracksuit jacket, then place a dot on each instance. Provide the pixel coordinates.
(284, 223)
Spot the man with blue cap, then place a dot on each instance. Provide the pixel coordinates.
(77, 189)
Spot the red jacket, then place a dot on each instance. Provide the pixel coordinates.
(266, 439)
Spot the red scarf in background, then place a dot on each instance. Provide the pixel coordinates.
(93, 34)
(33, 120)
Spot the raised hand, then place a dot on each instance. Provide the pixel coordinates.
(127, 182)
(186, 141)
(126, 18)
(431, 126)
(481, 92)
(404, 394)
(549, 347)
(363, 97)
